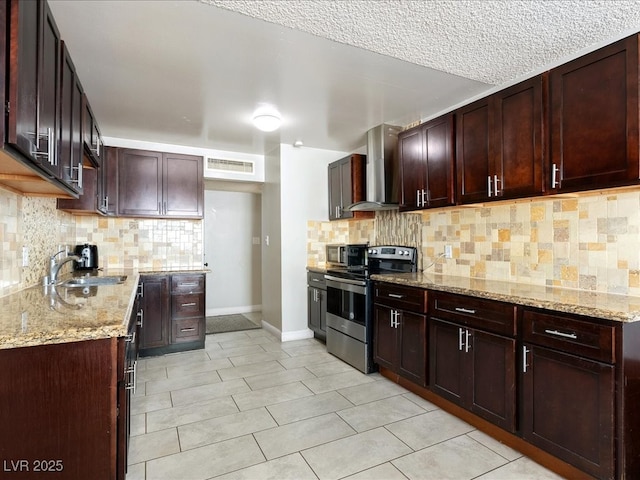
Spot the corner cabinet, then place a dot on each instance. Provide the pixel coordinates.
(156, 184)
(594, 119)
(427, 165)
(400, 330)
(347, 185)
(500, 144)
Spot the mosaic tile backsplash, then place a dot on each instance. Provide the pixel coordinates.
(35, 222)
(589, 242)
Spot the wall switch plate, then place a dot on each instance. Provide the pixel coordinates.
(448, 251)
(25, 256)
(256, 240)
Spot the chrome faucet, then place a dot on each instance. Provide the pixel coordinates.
(54, 267)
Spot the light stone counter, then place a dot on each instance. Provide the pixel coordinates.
(40, 316)
(620, 308)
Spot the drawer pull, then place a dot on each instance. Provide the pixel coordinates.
(315, 280)
(190, 329)
(562, 334)
(192, 284)
(192, 304)
(395, 295)
(465, 310)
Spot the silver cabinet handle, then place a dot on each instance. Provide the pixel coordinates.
(132, 380)
(465, 310)
(562, 334)
(190, 329)
(191, 284)
(467, 345)
(525, 351)
(141, 290)
(395, 295)
(315, 280)
(394, 318)
(140, 318)
(489, 185)
(554, 176)
(460, 341)
(418, 198)
(495, 185)
(192, 304)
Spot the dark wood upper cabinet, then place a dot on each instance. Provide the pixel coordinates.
(427, 165)
(70, 150)
(500, 144)
(91, 135)
(34, 62)
(594, 119)
(156, 184)
(347, 185)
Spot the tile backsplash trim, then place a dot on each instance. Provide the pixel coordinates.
(588, 242)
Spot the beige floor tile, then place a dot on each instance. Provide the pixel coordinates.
(421, 402)
(153, 445)
(258, 382)
(193, 412)
(304, 349)
(151, 374)
(386, 471)
(208, 461)
(235, 352)
(291, 467)
(271, 395)
(354, 454)
(197, 367)
(379, 413)
(428, 429)
(250, 370)
(183, 381)
(174, 359)
(225, 337)
(257, 358)
(306, 360)
(337, 381)
(149, 403)
(243, 342)
(303, 408)
(493, 444)
(460, 458)
(372, 391)
(204, 393)
(138, 424)
(521, 469)
(330, 368)
(136, 472)
(223, 428)
(301, 435)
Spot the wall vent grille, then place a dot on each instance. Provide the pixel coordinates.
(223, 165)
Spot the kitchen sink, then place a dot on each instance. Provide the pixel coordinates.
(92, 281)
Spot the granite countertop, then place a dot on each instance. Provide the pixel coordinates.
(44, 315)
(317, 268)
(620, 308)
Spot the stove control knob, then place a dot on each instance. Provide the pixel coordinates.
(406, 252)
(373, 250)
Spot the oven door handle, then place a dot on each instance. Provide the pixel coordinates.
(360, 283)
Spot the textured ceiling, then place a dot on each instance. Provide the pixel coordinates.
(492, 41)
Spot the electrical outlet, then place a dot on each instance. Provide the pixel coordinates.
(448, 251)
(25, 256)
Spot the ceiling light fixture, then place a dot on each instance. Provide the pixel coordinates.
(267, 119)
(298, 143)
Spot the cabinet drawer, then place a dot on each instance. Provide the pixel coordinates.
(187, 330)
(398, 296)
(315, 279)
(480, 313)
(569, 334)
(187, 283)
(191, 305)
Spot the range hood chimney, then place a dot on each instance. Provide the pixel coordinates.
(382, 170)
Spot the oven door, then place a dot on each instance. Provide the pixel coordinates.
(347, 306)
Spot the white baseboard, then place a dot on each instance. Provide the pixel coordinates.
(287, 336)
(212, 312)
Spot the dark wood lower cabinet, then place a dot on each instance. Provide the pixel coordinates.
(155, 305)
(568, 408)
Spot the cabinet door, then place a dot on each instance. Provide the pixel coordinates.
(412, 358)
(183, 188)
(385, 345)
(155, 304)
(140, 183)
(594, 118)
(438, 155)
(446, 375)
(568, 408)
(412, 175)
(517, 123)
(493, 388)
(472, 151)
(108, 196)
(91, 134)
(347, 177)
(313, 309)
(335, 190)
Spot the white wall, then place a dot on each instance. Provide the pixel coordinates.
(304, 193)
(231, 221)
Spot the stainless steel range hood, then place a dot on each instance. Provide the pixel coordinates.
(382, 171)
